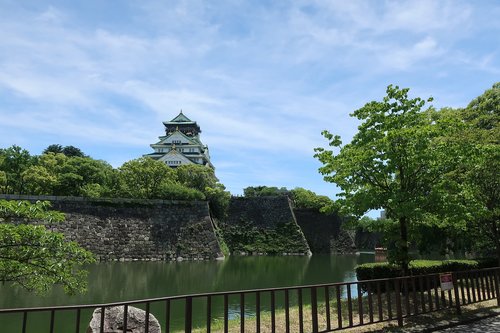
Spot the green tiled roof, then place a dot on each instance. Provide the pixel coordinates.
(181, 118)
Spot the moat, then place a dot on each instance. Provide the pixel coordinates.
(120, 281)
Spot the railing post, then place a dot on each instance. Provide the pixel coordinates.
(188, 315)
(457, 295)
(125, 318)
(314, 309)
(101, 328)
(497, 291)
(25, 319)
(146, 324)
(399, 311)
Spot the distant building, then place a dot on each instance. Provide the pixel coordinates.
(181, 144)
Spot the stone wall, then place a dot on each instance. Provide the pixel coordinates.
(263, 225)
(368, 240)
(323, 232)
(121, 229)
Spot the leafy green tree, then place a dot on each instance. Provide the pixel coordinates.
(396, 161)
(303, 198)
(91, 172)
(13, 162)
(69, 151)
(58, 174)
(72, 151)
(196, 176)
(262, 191)
(58, 167)
(479, 177)
(176, 191)
(218, 199)
(37, 259)
(54, 148)
(39, 180)
(145, 178)
(203, 179)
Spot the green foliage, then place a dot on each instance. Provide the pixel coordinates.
(382, 270)
(91, 190)
(57, 174)
(64, 171)
(306, 199)
(478, 179)
(377, 270)
(54, 148)
(218, 199)
(175, 191)
(484, 112)
(263, 191)
(222, 242)
(246, 237)
(145, 178)
(37, 259)
(203, 179)
(301, 198)
(24, 209)
(13, 162)
(396, 161)
(196, 176)
(69, 151)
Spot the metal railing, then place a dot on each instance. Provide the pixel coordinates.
(310, 308)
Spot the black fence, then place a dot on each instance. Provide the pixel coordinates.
(311, 308)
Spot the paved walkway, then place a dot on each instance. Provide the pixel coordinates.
(481, 326)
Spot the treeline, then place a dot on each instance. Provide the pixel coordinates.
(301, 198)
(67, 171)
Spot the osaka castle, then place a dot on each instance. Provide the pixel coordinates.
(181, 144)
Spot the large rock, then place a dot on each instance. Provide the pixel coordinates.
(113, 321)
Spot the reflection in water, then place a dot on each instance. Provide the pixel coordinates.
(112, 282)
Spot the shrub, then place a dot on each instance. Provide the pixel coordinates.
(417, 267)
(378, 270)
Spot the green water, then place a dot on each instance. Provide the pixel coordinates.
(114, 282)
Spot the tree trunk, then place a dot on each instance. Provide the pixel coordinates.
(403, 246)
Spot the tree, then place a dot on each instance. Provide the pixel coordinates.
(69, 151)
(39, 180)
(72, 151)
(54, 148)
(396, 161)
(306, 199)
(196, 176)
(13, 162)
(479, 178)
(145, 178)
(262, 191)
(58, 174)
(37, 259)
(203, 179)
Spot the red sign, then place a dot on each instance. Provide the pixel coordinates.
(446, 280)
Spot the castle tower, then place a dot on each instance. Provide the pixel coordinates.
(181, 144)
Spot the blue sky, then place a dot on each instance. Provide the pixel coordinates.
(261, 78)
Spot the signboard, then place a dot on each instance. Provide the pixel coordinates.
(446, 281)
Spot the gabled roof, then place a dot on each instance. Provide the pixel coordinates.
(175, 155)
(181, 118)
(193, 140)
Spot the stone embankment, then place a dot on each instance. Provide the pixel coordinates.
(324, 233)
(127, 229)
(131, 229)
(263, 225)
